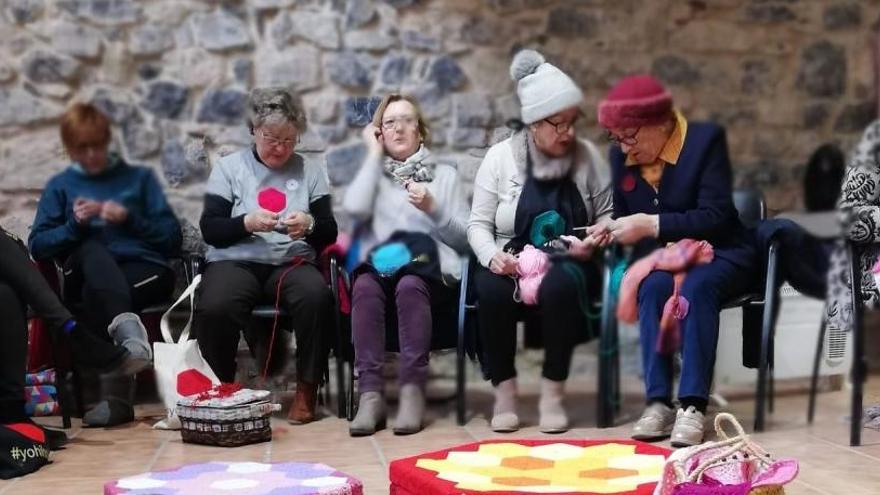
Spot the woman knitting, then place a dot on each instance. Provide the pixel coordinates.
(672, 181)
(534, 190)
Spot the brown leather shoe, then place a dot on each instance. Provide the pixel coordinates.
(304, 402)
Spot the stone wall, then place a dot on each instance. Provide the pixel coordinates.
(783, 76)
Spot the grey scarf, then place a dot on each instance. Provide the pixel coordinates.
(419, 167)
(543, 166)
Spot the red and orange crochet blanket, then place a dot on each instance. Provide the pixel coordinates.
(562, 467)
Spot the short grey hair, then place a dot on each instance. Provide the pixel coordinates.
(275, 105)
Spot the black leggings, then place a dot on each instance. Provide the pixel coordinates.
(107, 287)
(563, 322)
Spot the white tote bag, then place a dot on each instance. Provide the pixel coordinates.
(180, 369)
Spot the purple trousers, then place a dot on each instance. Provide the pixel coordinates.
(370, 301)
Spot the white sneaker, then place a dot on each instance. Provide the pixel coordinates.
(688, 429)
(655, 423)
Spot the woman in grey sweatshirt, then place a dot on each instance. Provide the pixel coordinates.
(414, 211)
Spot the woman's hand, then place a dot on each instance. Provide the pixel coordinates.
(601, 233)
(420, 197)
(113, 212)
(503, 264)
(373, 139)
(633, 228)
(260, 220)
(579, 249)
(85, 209)
(298, 224)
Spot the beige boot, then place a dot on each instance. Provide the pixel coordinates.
(552, 413)
(504, 418)
(411, 412)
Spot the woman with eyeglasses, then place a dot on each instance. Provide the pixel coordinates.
(415, 217)
(672, 181)
(540, 187)
(267, 215)
(109, 225)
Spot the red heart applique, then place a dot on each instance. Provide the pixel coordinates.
(272, 199)
(628, 183)
(191, 382)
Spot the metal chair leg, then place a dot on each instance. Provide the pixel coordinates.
(771, 379)
(460, 398)
(65, 401)
(766, 335)
(814, 379)
(859, 369)
(340, 372)
(605, 392)
(350, 393)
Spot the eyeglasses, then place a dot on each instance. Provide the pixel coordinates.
(563, 127)
(275, 142)
(406, 122)
(627, 139)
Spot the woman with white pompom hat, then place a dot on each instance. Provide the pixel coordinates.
(542, 176)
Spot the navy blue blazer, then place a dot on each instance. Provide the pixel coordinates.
(694, 200)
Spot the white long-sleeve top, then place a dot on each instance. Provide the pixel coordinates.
(499, 183)
(373, 197)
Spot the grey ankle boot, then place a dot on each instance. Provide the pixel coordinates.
(370, 417)
(412, 410)
(127, 331)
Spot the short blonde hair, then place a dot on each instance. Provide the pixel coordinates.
(84, 125)
(391, 98)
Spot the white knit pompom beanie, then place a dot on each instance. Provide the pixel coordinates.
(543, 89)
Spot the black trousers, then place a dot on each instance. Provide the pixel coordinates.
(20, 284)
(560, 312)
(229, 292)
(107, 287)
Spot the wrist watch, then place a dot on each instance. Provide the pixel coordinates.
(311, 227)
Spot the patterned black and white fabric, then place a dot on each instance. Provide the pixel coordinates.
(859, 207)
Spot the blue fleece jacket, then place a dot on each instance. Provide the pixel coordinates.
(150, 233)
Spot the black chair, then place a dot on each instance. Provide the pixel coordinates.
(859, 364)
(450, 336)
(760, 304)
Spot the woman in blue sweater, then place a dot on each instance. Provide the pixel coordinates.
(109, 225)
(672, 181)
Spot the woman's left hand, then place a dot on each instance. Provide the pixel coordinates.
(420, 197)
(297, 224)
(633, 228)
(579, 249)
(113, 212)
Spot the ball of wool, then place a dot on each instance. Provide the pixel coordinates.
(532, 265)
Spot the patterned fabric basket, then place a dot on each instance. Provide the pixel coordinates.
(227, 416)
